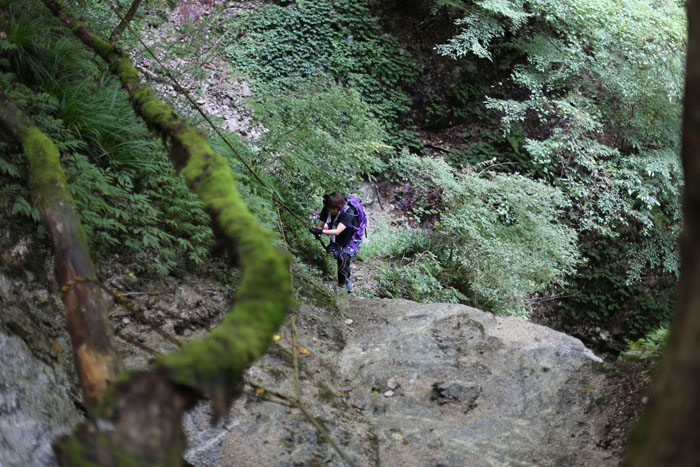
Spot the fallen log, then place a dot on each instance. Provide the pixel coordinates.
(94, 350)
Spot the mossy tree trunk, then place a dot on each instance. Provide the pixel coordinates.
(94, 350)
(139, 425)
(668, 432)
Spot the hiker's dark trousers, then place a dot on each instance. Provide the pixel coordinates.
(343, 257)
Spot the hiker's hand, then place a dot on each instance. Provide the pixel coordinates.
(316, 232)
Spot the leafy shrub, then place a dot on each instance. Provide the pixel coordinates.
(604, 295)
(498, 239)
(595, 90)
(603, 97)
(320, 138)
(417, 278)
(394, 241)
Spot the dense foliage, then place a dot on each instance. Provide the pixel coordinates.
(566, 181)
(302, 42)
(121, 178)
(499, 238)
(598, 88)
(320, 138)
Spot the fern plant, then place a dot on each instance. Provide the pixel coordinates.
(651, 346)
(123, 183)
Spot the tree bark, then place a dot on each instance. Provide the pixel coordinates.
(668, 432)
(94, 349)
(213, 366)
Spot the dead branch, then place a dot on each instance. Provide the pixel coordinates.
(124, 22)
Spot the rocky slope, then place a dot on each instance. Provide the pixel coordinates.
(393, 382)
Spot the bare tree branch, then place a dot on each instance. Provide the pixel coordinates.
(124, 22)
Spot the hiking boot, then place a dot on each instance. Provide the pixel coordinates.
(349, 284)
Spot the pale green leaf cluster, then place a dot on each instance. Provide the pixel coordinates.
(319, 139)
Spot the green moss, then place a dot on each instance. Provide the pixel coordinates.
(44, 166)
(101, 46)
(264, 294)
(47, 177)
(126, 71)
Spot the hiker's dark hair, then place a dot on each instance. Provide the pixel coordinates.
(334, 201)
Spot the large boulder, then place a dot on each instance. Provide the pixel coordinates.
(401, 383)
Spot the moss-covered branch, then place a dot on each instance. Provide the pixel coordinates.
(94, 350)
(214, 365)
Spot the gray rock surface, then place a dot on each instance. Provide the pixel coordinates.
(35, 406)
(457, 391)
(465, 388)
(38, 387)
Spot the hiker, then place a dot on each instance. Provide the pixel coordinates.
(346, 221)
